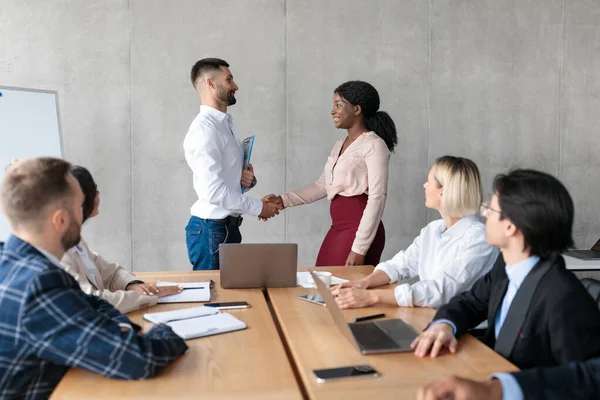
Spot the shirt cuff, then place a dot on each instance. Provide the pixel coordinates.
(446, 321)
(255, 207)
(510, 387)
(390, 272)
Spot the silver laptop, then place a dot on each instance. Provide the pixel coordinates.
(584, 254)
(386, 336)
(258, 265)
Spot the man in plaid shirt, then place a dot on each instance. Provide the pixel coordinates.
(47, 324)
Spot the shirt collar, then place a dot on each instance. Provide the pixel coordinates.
(49, 256)
(518, 272)
(459, 228)
(213, 112)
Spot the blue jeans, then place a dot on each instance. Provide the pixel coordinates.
(203, 238)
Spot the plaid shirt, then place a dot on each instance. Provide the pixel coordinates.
(47, 325)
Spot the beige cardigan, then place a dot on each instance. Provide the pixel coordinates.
(111, 281)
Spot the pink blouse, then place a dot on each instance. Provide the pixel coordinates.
(362, 168)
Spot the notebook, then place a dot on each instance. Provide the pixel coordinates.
(193, 292)
(302, 279)
(177, 315)
(205, 326)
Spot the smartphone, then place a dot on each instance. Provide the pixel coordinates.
(228, 305)
(313, 298)
(324, 375)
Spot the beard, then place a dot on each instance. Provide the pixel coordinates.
(72, 236)
(226, 96)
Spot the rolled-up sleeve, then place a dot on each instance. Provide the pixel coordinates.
(473, 259)
(378, 162)
(405, 264)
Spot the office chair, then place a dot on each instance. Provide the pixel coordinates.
(593, 287)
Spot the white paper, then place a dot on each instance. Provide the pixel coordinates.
(176, 315)
(196, 292)
(302, 280)
(206, 326)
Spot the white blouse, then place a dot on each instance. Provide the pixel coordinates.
(447, 261)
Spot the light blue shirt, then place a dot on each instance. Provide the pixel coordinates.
(516, 275)
(511, 390)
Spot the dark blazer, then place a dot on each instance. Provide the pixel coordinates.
(573, 381)
(560, 323)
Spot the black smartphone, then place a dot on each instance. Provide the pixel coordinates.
(324, 375)
(228, 305)
(313, 298)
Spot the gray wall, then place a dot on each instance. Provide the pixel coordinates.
(507, 83)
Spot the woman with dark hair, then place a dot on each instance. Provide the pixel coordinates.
(99, 277)
(355, 178)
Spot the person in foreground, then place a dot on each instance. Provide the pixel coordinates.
(99, 277)
(449, 254)
(215, 155)
(47, 324)
(355, 178)
(538, 313)
(574, 381)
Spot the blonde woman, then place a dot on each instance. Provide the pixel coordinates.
(448, 256)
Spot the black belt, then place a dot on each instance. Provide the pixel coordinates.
(230, 221)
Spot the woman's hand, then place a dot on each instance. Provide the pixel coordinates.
(355, 259)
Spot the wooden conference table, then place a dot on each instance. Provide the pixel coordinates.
(286, 339)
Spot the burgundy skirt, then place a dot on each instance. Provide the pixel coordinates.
(346, 213)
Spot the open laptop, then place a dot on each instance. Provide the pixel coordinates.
(258, 265)
(386, 336)
(584, 254)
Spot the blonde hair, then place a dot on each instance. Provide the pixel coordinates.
(461, 181)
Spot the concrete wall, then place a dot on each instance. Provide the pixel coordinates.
(508, 83)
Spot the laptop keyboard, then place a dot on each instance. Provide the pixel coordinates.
(371, 337)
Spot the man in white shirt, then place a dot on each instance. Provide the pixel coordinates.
(215, 154)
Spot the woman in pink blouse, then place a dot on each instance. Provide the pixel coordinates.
(355, 179)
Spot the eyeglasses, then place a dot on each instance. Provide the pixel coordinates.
(485, 209)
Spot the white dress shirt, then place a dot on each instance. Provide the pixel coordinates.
(447, 261)
(216, 157)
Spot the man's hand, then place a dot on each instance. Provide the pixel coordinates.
(355, 298)
(452, 387)
(269, 209)
(247, 176)
(434, 338)
(271, 198)
(355, 259)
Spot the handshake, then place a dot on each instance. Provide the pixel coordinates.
(272, 204)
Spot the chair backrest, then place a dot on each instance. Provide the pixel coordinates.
(596, 247)
(593, 287)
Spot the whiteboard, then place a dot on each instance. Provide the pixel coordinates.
(29, 127)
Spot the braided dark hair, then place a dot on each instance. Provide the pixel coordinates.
(88, 187)
(363, 94)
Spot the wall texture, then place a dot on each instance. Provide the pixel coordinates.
(507, 83)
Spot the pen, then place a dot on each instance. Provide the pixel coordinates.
(189, 288)
(368, 317)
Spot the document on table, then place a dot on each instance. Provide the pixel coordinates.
(193, 292)
(302, 280)
(177, 315)
(206, 326)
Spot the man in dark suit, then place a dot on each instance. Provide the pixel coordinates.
(574, 381)
(538, 313)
